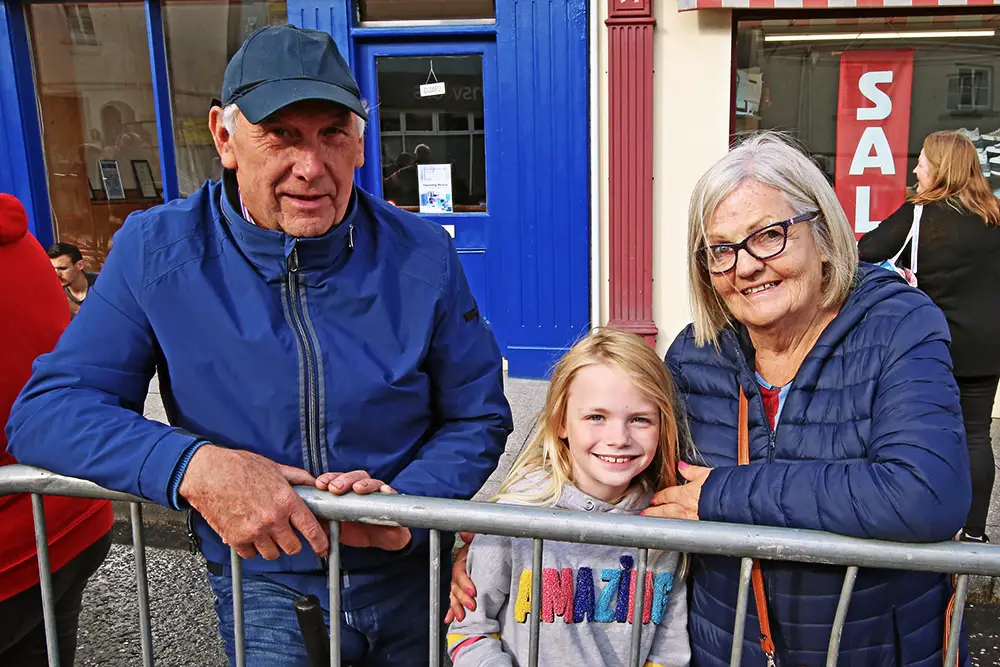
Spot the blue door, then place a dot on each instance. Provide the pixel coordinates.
(507, 124)
(430, 144)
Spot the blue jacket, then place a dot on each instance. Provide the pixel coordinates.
(361, 349)
(869, 443)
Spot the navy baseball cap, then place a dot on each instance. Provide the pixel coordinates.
(280, 65)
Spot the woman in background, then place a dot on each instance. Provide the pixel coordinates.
(958, 267)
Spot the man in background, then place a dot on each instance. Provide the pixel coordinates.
(68, 262)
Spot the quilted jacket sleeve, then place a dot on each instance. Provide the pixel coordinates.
(914, 484)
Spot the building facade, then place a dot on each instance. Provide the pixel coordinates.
(481, 122)
(569, 135)
(860, 83)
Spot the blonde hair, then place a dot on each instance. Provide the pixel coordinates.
(546, 452)
(770, 158)
(957, 178)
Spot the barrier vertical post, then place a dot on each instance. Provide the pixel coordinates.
(841, 616)
(637, 610)
(239, 632)
(45, 581)
(746, 569)
(435, 599)
(536, 601)
(142, 584)
(961, 591)
(334, 564)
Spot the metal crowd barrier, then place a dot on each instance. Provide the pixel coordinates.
(709, 538)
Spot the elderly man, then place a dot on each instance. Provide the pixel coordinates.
(299, 326)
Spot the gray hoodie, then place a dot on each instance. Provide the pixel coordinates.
(586, 600)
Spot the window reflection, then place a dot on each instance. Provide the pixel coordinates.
(201, 36)
(442, 129)
(95, 96)
(794, 85)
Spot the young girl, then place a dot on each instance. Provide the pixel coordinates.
(606, 440)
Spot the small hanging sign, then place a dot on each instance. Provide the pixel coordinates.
(429, 89)
(432, 89)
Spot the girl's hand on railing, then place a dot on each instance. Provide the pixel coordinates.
(680, 502)
(387, 538)
(463, 591)
(358, 481)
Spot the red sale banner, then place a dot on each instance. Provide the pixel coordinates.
(873, 132)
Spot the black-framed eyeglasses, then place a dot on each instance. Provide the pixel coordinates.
(765, 243)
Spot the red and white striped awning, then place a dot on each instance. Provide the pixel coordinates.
(684, 5)
(934, 22)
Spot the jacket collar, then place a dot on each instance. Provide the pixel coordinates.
(871, 286)
(272, 252)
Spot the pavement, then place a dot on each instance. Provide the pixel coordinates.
(184, 624)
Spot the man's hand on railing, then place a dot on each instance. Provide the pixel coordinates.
(463, 591)
(389, 538)
(249, 501)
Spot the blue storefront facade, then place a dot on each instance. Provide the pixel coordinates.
(103, 111)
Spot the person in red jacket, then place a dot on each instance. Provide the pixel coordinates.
(33, 310)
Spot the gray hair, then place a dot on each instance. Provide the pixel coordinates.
(773, 159)
(231, 112)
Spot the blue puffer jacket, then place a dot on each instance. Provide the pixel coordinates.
(360, 349)
(870, 444)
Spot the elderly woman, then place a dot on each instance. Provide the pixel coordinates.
(854, 419)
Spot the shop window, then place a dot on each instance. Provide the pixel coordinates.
(98, 121)
(442, 129)
(81, 25)
(425, 10)
(970, 89)
(201, 36)
(861, 95)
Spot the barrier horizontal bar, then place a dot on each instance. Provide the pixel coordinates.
(700, 537)
(19, 478)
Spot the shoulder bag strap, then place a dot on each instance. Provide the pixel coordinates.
(756, 576)
(918, 212)
(914, 227)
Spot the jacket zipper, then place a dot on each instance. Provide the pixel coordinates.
(771, 432)
(310, 431)
(771, 435)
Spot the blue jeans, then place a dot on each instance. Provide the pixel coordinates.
(394, 631)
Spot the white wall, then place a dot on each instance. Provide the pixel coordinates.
(692, 53)
(691, 93)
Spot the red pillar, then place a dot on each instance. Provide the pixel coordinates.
(630, 156)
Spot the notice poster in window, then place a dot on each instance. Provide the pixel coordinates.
(112, 179)
(434, 183)
(873, 133)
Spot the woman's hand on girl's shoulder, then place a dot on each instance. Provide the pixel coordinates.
(462, 595)
(680, 502)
